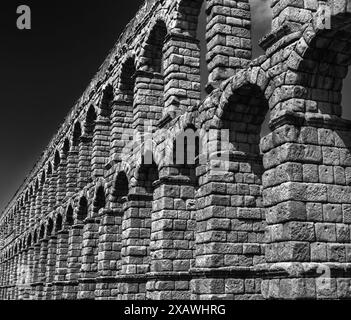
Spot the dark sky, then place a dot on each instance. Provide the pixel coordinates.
(46, 69)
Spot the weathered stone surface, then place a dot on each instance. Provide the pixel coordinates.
(147, 192)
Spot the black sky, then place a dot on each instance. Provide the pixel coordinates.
(46, 69)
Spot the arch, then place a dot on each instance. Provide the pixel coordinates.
(319, 63)
(69, 216)
(121, 188)
(58, 223)
(82, 209)
(36, 185)
(153, 48)
(65, 148)
(127, 83)
(57, 160)
(50, 227)
(90, 120)
(35, 237)
(42, 232)
(49, 169)
(106, 101)
(77, 133)
(43, 178)
(100, 199)
(243, 116)
(211, 111)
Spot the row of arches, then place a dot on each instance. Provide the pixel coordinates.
(144, 90)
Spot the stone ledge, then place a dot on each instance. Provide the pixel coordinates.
(304, 270)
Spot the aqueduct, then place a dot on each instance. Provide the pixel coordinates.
(108, 214)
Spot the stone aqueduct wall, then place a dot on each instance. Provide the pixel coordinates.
(263, 220)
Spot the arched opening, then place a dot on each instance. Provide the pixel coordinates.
(29, 241)
(77, 133)
(57, 160)
(65, 148)
(154, 65)
(42, 232)
(49, 169)
(90, 121)
(243, 117)
(121, 188)
(62, 172)
(82, 209)
(155, 48)
(86, 149)
(42, 179)
(106, 101)
(100, 199)
(238, 153)
(122, 116)
(35, 237)
(70, 216)
(36, 186)
(58, 223)
(50, 227)
(45, 192)
(127, 83)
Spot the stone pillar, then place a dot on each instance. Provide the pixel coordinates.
(109, 254)
(307, 192)
(61, 180)
(6, 273)
(50, 268)
(43, 208)
(1, 279)
(61, 264)
(41, 280)
(72, 172)
(84, 164)
(27, 292)
(35, 274)
(32, 210)
(228, 38)
(182, 74)
(38, 206)
(89, 267)
(74, 261)
(52, 190)
(101, 145)
(136, 233)
(122, 120)
(22, 223)
(148, 99)
(11, 278)
(230, 225)
(27, 214)
(172, 236)
(23, 274)
(18, 261)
